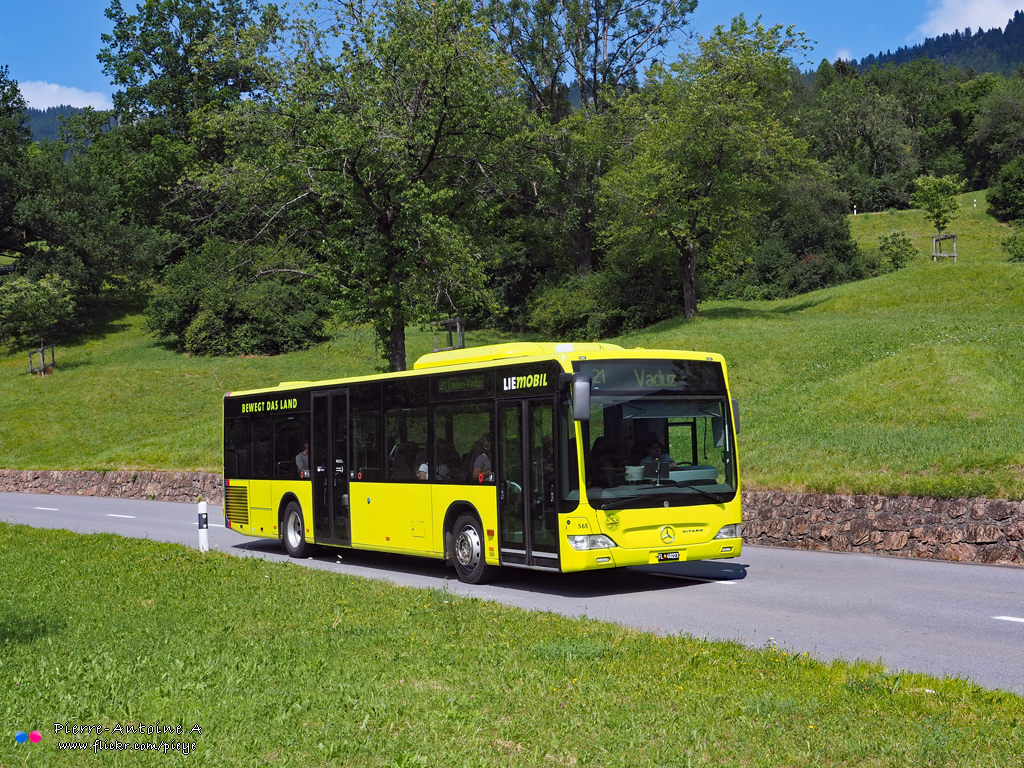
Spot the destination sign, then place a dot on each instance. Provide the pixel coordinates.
(691, 376)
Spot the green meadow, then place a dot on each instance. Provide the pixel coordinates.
(907, 383)
(280, 665)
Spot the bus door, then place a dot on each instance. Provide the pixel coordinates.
(527, 517)
(331, 521)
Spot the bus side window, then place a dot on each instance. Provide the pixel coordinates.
(367, 464)
(236, 448)
(405, 426)
(290, 434)
(460, 432)
(261, 453)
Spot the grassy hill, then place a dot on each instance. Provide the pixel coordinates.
(906, 383)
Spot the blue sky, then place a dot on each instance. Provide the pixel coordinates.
(50, 46)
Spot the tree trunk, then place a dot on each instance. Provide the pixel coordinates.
(585, 245)
(689, 280)
(396, 347)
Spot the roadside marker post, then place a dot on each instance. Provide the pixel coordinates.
(204, 528)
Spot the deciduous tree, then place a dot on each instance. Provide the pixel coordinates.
(396, 152)
(710, 142)
(175, 57)
(937, 197)
(14, 141)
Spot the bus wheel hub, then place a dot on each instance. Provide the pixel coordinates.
(468, 547)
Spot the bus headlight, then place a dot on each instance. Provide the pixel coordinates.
(733, 531)
(582, 543)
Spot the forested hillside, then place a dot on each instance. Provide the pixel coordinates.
(995, 50)
(439, 165)
(45, 123)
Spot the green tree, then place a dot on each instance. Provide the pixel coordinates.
(863, 136)
(226, 299)
(31, 309)
(937, 197)
(392, 158)
(801, 242)
(931, 96)
(175, 57)
(76, 223)
(14, 141)
(602, 48)
(710, 143)
(998, 127)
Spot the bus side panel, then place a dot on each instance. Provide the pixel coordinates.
(483, 498)
(392, 517)
(247, 508)
(262, 510)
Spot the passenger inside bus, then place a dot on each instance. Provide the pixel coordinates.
(482, 470)
(607, 468)
(656, 453)
(302, 462)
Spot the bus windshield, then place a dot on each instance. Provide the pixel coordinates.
(659, 435)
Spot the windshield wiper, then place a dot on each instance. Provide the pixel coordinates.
(625, 502)
(692, 486)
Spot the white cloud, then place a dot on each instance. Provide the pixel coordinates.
(41, 95)
(950, 15)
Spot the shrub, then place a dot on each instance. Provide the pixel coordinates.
(897, 248)
(1014, 244)
(803, 243)
(607, 303)
(1006, 195)
(220, 300)
(564, 310)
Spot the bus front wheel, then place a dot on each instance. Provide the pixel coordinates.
(294, 531)
(470, 564)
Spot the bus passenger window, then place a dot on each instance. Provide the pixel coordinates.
(261, 456)
(291, 435)
(236, 449)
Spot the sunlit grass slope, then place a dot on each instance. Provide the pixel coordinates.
(907, 383)
(284, 666)
(912, 382)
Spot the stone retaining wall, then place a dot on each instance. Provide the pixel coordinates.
(162, 486)
(967, 530)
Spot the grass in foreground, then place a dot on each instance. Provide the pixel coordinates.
(285, 666)
(905, 384)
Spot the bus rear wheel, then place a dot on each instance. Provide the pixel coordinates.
(294, 531)
(468, 543)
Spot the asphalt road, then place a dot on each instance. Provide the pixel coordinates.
(946, 619)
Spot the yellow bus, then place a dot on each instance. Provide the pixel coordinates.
(553, 457)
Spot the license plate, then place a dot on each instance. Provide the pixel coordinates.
(663, 556)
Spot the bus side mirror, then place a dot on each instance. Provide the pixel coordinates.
(581, 397)
(736, 414)
(579, 384)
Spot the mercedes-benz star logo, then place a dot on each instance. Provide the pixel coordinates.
(668, 534)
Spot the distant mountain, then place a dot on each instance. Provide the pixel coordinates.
(44, 122)
(997, 50)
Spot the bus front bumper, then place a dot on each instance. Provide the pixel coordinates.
(620, 557)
